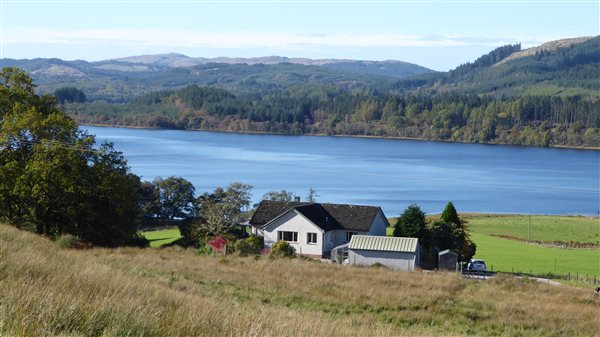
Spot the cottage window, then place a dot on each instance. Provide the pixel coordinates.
(349, 235)
(311, 238)
(287, 236)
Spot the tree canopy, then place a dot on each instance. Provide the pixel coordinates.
(52, 178)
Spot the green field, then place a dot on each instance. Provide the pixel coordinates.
(509, 255)
(162, 237)
(543, 228)
(512, 255)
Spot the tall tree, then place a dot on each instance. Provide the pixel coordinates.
(219, 213)
(450, 215)
(312, 195)
(52, 179)
(176, 197)
(411, 223)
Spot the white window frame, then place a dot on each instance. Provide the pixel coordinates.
(308, 238)
(281, 236)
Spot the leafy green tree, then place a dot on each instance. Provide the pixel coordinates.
(282, 195)
(218, 213)
(450, 232)
(176, 198)
(150, 207)
(411, 223)
(52, 180)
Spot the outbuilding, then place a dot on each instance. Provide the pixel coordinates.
(392, 252)
(447, 260)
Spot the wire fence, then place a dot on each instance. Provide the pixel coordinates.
(576, 277)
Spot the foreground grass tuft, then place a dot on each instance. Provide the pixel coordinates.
(45, 291)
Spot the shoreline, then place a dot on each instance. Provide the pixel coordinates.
(566, 147)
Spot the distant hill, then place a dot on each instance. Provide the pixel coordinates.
(390, 68)
(121, 80)
(568, 67)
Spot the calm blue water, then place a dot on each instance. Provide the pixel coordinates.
(388, 173)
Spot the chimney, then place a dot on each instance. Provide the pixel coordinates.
(297, 199)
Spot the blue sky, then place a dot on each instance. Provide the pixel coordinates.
(436, 34)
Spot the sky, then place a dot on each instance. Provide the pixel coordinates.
(436, 34)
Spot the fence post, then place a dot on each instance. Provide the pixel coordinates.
(577, 277)
(569, 276)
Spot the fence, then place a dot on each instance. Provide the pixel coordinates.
(569, 276)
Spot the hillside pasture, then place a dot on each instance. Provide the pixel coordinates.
(515, 256)
(49, 291)
(543, 228)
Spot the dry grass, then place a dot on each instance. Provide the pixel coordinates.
(46, 291)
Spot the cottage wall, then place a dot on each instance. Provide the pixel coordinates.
(379, 226)
(292, 221)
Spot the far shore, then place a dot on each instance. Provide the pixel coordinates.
(589, 148)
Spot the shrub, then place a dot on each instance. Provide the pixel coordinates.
(283, 249)
(249, 246)
(68, 241)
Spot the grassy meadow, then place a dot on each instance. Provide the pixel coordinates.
(513, 255)
(543, 227)
(49, 291)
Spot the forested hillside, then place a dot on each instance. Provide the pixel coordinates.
(545, 96)
(567, 71)
(526, 120)
(120, 81)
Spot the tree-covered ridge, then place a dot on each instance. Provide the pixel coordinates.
(120, 82)
(569, 71)
(526, 120)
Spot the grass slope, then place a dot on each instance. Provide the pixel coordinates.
(508, 255)
(48, 291)
(543, 228)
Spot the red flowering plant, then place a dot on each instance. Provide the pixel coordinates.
(218, 244)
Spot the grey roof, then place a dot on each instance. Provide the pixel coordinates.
(383, 243)
(447, 251)
(326, 216)
(268, 210)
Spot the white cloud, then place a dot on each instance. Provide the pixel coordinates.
(238, 40)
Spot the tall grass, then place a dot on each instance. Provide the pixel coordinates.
(47, 291)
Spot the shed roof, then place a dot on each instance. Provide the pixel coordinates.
(383, 243)
(447, 252)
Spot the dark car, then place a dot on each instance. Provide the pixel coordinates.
(476, 266)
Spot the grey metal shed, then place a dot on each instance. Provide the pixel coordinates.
(392, 252)
(447, 260)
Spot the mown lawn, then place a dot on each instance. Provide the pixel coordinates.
(162, 237)
(509, 255)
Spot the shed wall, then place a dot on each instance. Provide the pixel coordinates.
(395, 260)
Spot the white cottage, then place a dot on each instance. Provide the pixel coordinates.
(393, 252)
(313, 229)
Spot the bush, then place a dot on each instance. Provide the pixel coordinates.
(249, 246)
(68, 241)
(219, 244)
(283, 249)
